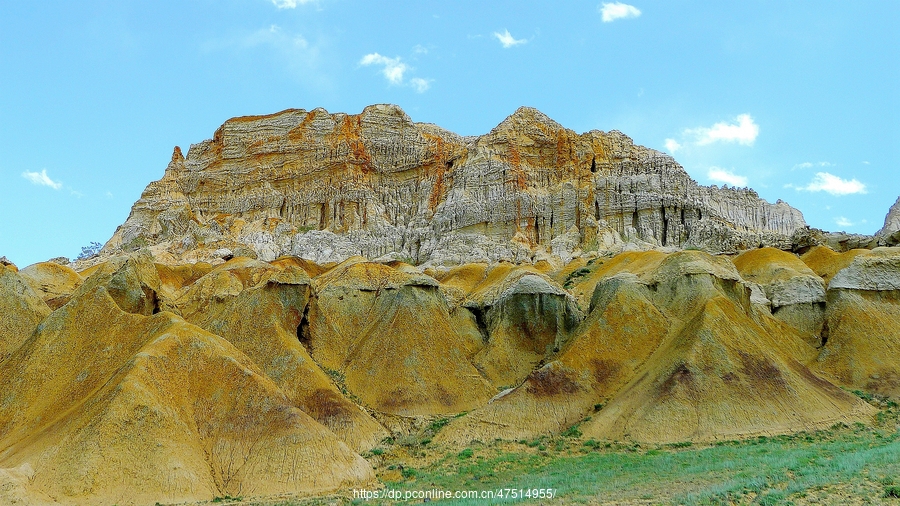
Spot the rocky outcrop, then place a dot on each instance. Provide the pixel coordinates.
(863, 309)
(795, 292)
(890, 232)
(329, 186)
(55, 283)
(22, 311)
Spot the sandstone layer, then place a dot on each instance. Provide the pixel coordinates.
(328, 186)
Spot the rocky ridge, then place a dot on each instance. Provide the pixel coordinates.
(328, 186)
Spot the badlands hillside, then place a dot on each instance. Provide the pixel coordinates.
(305, 285)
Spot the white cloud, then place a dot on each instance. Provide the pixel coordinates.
(507, 39)
(289, 4)
(672, 145)
(618, 10)
(744, 131)
(807, 165)
(725, 176)
(825, 182)
(393, 68)
(419, 84)
(274, 36)
(41, 178)
(420, 49)
(843, 222)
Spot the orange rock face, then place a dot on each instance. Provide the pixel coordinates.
(329, 186)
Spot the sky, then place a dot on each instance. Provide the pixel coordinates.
(798, 100)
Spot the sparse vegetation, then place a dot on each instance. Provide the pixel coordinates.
(226, 498)
(90, 250)
(573, 278)
(135, 244)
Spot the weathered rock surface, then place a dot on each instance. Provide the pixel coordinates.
(878, 270)
(55, 283)
(21, 310)
(262, 321)
(185, 365)
(389, 336)
(673, 350)
(891, 224)
(110, 407)
(329, 186)
(863, 321)
(795, 292)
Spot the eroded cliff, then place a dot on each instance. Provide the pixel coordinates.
(328, 186)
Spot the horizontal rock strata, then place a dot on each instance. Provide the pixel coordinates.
(329, 186)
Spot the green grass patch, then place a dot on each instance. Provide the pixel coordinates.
(771, 470)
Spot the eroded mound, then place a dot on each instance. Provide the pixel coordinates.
(187, 382)
(672, 350)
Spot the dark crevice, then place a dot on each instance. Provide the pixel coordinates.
(597, 210)
(594, 164)
(634, 220)
(152, 299)
(665, 225)
(303, 334)
(478, 313)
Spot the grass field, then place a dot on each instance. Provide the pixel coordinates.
(843, 465)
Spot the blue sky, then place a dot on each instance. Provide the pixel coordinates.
(798, 100)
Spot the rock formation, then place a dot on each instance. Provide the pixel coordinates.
(862, 350)
(672, 350)
(329, 186)
(891, 229)
(305, 286)
(288, 370)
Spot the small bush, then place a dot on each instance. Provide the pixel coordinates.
(572, 431)
(438, 424)
(90, 250)
(892, 491)
(532, 444)
(465, 454)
